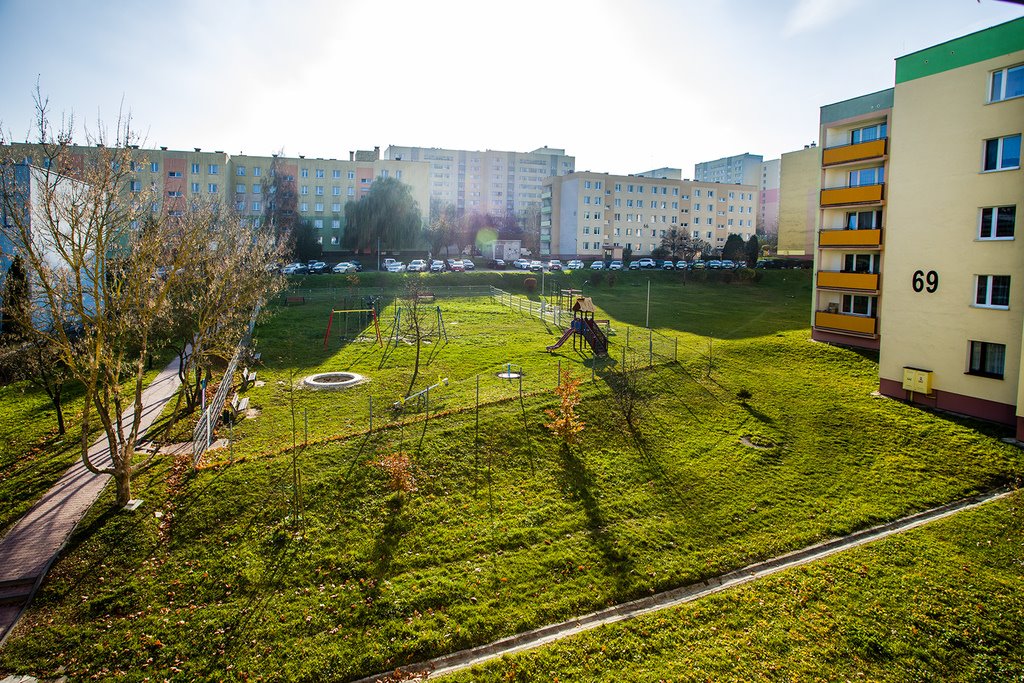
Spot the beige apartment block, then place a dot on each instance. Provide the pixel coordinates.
(849, 242)
(799, 183)
(586, 214)
(953, 278)
(321, 186)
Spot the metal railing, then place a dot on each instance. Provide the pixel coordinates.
(202, 435)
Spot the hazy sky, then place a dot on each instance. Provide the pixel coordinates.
(624, 86)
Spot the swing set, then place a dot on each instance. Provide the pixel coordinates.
(372, 311)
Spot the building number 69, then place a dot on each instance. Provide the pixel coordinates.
(928, 281)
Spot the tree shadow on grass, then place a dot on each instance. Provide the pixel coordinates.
(581, 483)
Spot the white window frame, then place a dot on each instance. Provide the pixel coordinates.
(983, 289)
(993, 223)
(999, 154)
(1002, 74)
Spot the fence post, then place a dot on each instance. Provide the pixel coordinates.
(650, 347)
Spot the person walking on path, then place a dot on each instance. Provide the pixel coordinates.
(32, 545)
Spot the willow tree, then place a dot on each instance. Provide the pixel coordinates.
(103, 254)
(387, 215)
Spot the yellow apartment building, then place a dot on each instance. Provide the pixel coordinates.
(799, 181)
(952, 289)
(849, 244)
(585, 214)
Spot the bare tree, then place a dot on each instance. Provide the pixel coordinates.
(103, 257)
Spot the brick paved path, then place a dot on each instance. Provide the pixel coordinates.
(33, 543)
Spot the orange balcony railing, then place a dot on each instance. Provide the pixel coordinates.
(857, 324)
(862, 151)
(850, 238)
(862, 194)
(858, 281)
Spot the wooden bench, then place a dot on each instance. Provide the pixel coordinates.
(425, 296)
(248, 377)
(294, 300)
(239, 405)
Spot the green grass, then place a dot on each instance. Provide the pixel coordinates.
(33, 457)
(938, 603)
(511, 535)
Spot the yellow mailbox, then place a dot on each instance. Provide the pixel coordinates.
(917, 380)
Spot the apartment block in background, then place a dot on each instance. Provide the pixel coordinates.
(584, 214)
(849, 241)
(799, 185)
(741, 169)
(768, 197)
(491, 182)
(320, 187)
(953, 287)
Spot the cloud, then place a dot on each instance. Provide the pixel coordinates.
(809, 15)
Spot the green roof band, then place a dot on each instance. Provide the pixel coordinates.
(991, 42)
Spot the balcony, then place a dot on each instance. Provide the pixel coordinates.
(858, 239)
(842, 322)
(854, 281)
(862, 151)
(861, 194)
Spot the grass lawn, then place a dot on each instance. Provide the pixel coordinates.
(508, 535)
(33, 457)
(942, 602)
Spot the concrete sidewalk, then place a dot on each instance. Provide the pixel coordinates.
(32, 545)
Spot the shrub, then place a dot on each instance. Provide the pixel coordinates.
(597, 277)
(612, 277)
(530, 284)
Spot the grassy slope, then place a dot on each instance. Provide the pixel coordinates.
(938, 603)
(516, 535)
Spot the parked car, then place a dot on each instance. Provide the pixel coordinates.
(575, 264)
(295, 269)
(455, 265)
(668, 265)
(698, 265)
(597, 265)
(387, 263)
(536, 266)
(682, 265)
(496, 264)
(344, 267)
(468, 265)
(634, 265)
(554, 264)
(396, 267)
(436, 266)
(729, 265)
(615, 265)
(317, 267)
(647, 262)
(417, 265)
(357, 264)
(715, 264)
(521, 264)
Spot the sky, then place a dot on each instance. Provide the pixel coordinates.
(624, 86)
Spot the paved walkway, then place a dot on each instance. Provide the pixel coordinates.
(546, 634)
(32, 545)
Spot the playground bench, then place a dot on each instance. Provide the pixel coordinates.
(425, 296)
(248, 377)
(239, 405)
(295, 300)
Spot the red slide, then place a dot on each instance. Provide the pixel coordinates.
(566, 335)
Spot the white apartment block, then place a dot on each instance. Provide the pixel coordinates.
(742, 169)
(583, 214)
(494, 182)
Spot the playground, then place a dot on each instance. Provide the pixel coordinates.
(457, 517)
